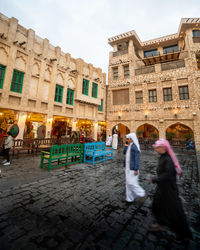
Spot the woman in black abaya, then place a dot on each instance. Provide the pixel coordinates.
(167, 207)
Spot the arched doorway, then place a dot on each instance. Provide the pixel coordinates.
(179, 131)
(121, 130)
(147, 131)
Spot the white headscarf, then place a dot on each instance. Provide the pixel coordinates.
(134, 138)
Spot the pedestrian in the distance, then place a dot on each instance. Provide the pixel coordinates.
(167, 207)
(7, 146)
(132, 161)
(109, 141)
(115, 141)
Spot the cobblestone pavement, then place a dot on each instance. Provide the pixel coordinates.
(82, 207)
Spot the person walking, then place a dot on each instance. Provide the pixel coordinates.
(167, 207)
(7, 146)
(132, 160)
(115, 141)
(109, 141)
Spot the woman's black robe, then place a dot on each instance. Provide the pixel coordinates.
(167, 206)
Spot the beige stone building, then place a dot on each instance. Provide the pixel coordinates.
(41, 85)
(154, 86)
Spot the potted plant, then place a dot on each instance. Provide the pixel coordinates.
(188, 136)
(170, 135)
(139, 133)
(154, 136)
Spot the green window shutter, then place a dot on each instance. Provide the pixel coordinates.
(2, 74)
(100, 108)
(72, 103)
(58, 94)
(67, 101)
(85, 87)
(70, 96)
(97, 91)
(17, 81)
(94, 89)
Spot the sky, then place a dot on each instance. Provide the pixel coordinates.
(82, 27)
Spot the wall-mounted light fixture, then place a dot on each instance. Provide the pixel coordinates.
(146, 116)
(175, 115)
(119, 117)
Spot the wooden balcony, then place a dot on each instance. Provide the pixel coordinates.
(145, 70)
(173, 65)
(161, 58)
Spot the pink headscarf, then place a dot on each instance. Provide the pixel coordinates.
(165, 144)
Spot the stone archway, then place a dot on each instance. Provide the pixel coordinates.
(179, 131)
(121, 129)
(147, 131)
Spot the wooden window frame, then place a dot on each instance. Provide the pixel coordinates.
(139, 100)
(182, 94)
(153, 97)
(16, 85)
(194, 33)
(115, 73)
(150, 53)
(167, 96)
(170, 49)
(126, 72)
(121, 96)
(70, 97)
(58, 94)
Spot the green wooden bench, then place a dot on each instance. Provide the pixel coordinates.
(62, 155)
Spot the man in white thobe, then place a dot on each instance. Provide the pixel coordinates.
(115, 141)
(109, 141)
(132, 160)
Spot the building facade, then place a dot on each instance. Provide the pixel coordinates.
(42, 86)
(154, 86)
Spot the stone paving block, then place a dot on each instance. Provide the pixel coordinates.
(83, 202)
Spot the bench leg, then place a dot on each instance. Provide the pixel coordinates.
(49, 166)
(66, 162)
(93, 160)
(41, 162)
(84, 158)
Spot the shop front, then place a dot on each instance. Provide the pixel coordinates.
(101, 132)
(8, 119)
(35, 126)
(61, 126)
(85, 127)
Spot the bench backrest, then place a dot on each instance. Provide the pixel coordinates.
(66, 148)
(75, 148)
(17, 143)
(94, 146)
(58, 149)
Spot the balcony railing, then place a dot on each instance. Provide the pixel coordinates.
(196, 39)
(145, 70)
(173, 65)
(119, 53)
